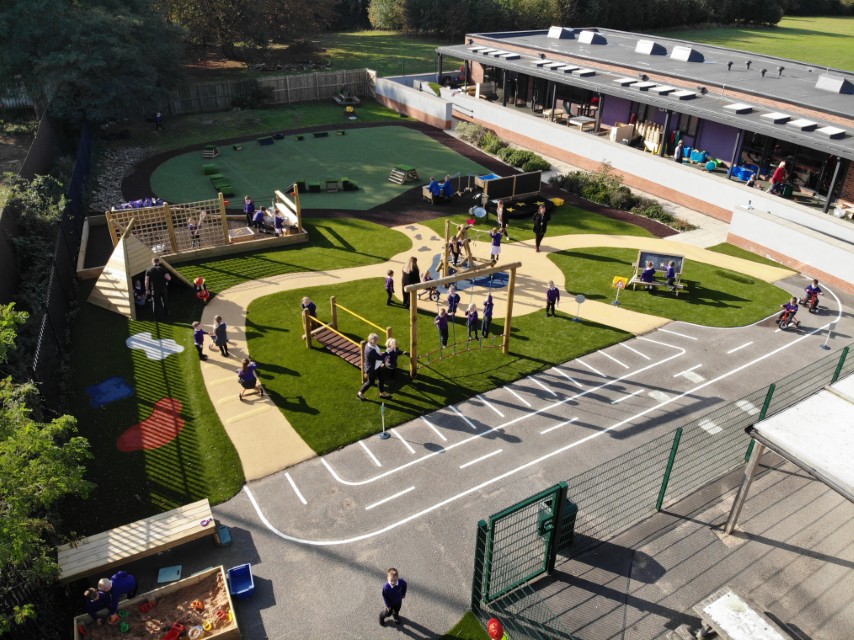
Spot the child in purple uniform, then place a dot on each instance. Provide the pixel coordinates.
(392, 353)
(441, 323)
(453, 300)
(96, 602)
(389, 285)
(471, 320)
(199, 339)
(247, 377)
(552, 298)
(394, 591)
(488, 304)
(258, 219)
(495, 234)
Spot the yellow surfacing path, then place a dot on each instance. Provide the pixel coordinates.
(265, 440)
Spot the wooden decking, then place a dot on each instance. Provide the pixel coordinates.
(110, 549)
(339, 346)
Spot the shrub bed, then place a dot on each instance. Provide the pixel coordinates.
(489, 142)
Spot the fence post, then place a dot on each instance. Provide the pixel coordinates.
(388, 333)
(839, 366)
(477, 575)
(334, 308)
(557, 529)
(306, 326)
(762, 414)
(670, 460)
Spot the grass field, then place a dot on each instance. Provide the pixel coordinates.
(389, 53)
(468, 628)
(317, 390)
(713, 296)
(825, 41)
(363, 155)
(738, 252)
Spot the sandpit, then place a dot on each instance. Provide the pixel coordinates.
(172, 603)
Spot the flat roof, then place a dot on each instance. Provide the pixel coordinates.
(814, 133)
(817, 434)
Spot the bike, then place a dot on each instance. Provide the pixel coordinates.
(811, 303)
(787, 318)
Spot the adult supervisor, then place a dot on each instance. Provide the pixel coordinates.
(156, 280)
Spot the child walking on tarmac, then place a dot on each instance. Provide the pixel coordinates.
(394, 591)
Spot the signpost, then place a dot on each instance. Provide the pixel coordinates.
(383, 435)
(619, 283)
(580, 300)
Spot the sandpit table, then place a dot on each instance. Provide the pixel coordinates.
(110, 549)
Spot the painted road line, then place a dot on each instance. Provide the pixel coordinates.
(632, 394)
(466, 420)
(642, 355)
(481, 458)
(435, 430)
(746, 344)
(370, 454)
(597, 372)
(389, 499)
(622, 364)
(748, 407)
(709, 426)
(510, 472)
(558, 426)
(676, 333)
(487, 403)
(505, 425)
(682, 373)
(294, 487)
(567, 376)
(542, 386)
(405, 443)
(658, 396)
(518, 397)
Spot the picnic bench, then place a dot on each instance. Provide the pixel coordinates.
(346, 97)
(117, 547)
(660, 262)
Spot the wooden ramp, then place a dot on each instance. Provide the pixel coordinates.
(337, 345)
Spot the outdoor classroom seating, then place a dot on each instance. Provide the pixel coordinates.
(660, 262)
(210, 151)
(265, 141)
(110, 549)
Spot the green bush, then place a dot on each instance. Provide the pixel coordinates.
(471, 133)
(492, 144)
(506, 154)
(623, 198)
(536, 163)
(572, 182)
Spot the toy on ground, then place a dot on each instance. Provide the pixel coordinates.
(175, 632)
(198, 605)
(145, 607)
(202, 293)
(241, 584)
(195, 632)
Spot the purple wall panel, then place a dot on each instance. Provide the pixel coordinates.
(616, 110)
(717, 139)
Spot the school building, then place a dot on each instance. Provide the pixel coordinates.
(592, 96)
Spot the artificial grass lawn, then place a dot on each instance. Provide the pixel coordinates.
(365, 156)
(468, 628)
(335, 243)
(566, 220)
(829, 38)
(201, 462)
(712, 296)
(317, 390)
(738, 252)
(201, 128)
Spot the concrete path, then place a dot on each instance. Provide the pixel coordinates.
(262, 435)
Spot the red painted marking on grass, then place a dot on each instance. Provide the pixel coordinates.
(160, 428)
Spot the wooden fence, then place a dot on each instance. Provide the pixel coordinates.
(220, 96)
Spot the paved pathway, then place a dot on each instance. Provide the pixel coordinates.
(262, 435)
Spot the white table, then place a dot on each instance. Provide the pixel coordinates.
(583, 121)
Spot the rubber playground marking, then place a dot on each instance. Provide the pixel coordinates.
(159, 429)
(154, 349)
(110, 390)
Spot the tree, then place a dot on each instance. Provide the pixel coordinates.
(388, 15)
(89, 61)
(41, 464)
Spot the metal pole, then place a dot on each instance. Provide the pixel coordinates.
(749, 473)
(413, 333)
(761, 417)
(479, 559)
(832, 184)
(560, 496)
(738, 138)
(663, 144)
(839, 366)
(670, 460)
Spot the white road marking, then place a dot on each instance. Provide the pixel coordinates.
(294, 487)
(694, 377)
(622, 364)
(682, 373)
(709, 426)
(481, 458)
(405, 443)
(748, 407)
(487, 403)
(389, 499)
(542, 386)
(681, 335)
(466, 420)
(642, 355)
(527, 465)
(746, 344)
(370, 455)
(633, 393)
(567, 376)
(581, 362)
(435, 430)
(558, 426)
(658, 396)
(518, 397)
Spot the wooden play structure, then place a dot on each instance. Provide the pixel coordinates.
(412, 291)
(403, 173)
(468, 260)
(333, 340)
(660, 261)
(102, 552)
(520, 186)
(290, 208)
(346, 97)
(114, 289)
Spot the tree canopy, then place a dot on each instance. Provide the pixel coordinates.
(88, 60)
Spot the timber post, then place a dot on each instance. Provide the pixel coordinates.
(306, 326)
(413, 332)
(223, 218)
(508, 321)
(334, 312)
